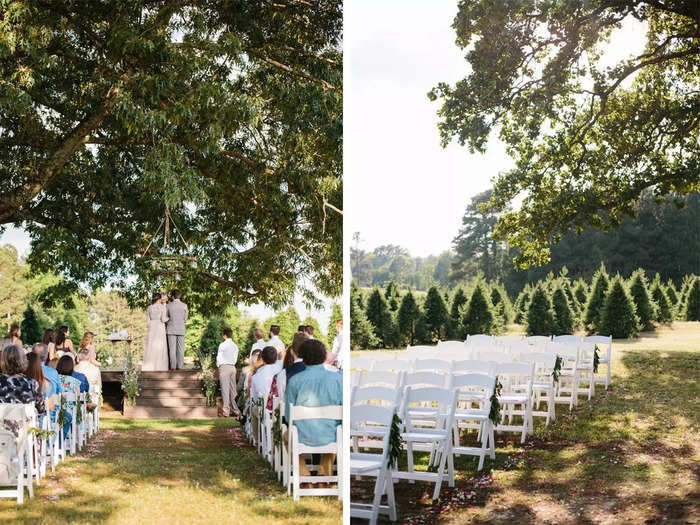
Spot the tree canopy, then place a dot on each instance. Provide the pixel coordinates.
(226, 116)
(587, 139)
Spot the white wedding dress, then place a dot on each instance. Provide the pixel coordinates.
(155, 356)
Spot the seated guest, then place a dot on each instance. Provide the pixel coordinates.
(15, 387)
(262, 379)
(259, 344)
(309, 330)
(292, 365)
(35, 372)
(275, 339)
(87, 368)
(56, 387)
(14, 335)
(69, 377)
(49, 340)
(87, 342)
(313, 387)
(63, 344)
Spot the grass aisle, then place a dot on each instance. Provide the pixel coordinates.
(166, 471)
(632, 455)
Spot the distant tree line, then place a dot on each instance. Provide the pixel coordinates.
(389, 318)
(663, 238)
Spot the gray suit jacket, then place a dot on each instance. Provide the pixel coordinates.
(178, 314)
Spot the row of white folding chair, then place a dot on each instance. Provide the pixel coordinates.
(17, 451)
(372, 412)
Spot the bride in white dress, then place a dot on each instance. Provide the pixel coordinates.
(155, 356)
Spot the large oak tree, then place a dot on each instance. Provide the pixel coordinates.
(586, 138)
(224, 115)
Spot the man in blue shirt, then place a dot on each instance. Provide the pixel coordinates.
(313, 387)
(52, 375)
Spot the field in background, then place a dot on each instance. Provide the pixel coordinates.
(631, 455)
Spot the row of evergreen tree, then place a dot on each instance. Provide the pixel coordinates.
(555, 305)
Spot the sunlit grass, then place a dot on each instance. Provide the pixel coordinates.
(166, 471)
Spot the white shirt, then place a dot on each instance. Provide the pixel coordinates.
(262, 380)
(90, 371)
(277, 343)
(258, 345)
(227, 354)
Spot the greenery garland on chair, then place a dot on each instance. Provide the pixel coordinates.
(62, 411)
(130, 379)
(208, 379)
(40, 434)
(394, 441)
(557, 369)
(596, 360)
(277, 428)
(495, 412)
(78, 413)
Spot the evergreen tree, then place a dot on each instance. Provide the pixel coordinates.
(522, 304)
(644, 307)
(407, 318)
(392, 296)
(480, 317)
(596, 300)
(563, 315)
(499, 300)
(31, 331)
(581, 292)
(336, 313)
(692, 302)
(455, 326)
(618, 317)
(664, 311)
(250, 337)
(361, 329)
(673, 298)
(211, 337)
(422, 334)
(378, 314)
(683, 295)
(436, 317)
(540, 316)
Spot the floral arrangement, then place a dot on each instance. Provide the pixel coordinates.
(208, 378)
(105, 356)
(277, 428)
(61, 418)
(130, 379)
(495, 412)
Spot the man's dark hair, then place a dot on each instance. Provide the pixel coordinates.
(309, 329)
(176, 294)
(275, 329)
(65, 365)
(301, 328)
(269, 355)
(227, 332)
(313, 352)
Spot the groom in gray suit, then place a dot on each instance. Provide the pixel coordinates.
(178, 314)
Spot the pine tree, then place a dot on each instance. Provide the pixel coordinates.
(407, 318)
(361, 329)
(455, 326)
(644, 307)
(211, 337)
(31, 331)
(392, 296)
(618, 317)
(435, 312)
(250, 336)
(522, 303)
(540, 316)
(692, 302)
(596, 300)
(378, 314)
(480, 317)
(686, 284)
(500, 302)
(563, 315)
(581, 292)
(673, 298)
(664, 312)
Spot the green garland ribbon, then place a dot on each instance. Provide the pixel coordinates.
(41, 435)
(557, 369)
(277, 428)
(61, 417)
(79, 413)
(495, 412)
(394, 441)
(596, 360)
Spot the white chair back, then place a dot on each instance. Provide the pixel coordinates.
(435, 365)
(425, 378)
(381, 378)
(392, 365)
(471, 365)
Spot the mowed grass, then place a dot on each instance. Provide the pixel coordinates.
(631, 455)
(167, 471)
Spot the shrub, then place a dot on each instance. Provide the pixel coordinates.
(664, 311)
(642, 302)
(480, 317)
(407, 318)
(378, 314)
(692, 302)
(455, 327)
(31, 331)
(499, 299)
(563, 315)
(540, 316)
(522, 303)
(618, 317)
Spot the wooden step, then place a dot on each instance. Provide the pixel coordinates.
(172, 374)
(171, 392)
(171, 401)
(147, 412)
(170, 383)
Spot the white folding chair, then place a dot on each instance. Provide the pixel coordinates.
(538, 340)
(361, 363)
(391, 365)
(566, 389)
(364, 464)
(455, 347)
(506, 340)
(435, 438)
(472, 366)
(567, 338)
(432, 365)
(472, 412)
(70, 442)
(480, 340)
(494, 356)
(366, 435)
(543, 387)
(296, 448)
(605, 341)
(586, 374)
(517, 379)
(16, 454)
(380, 378)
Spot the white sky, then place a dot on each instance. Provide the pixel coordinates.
(401, 186)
